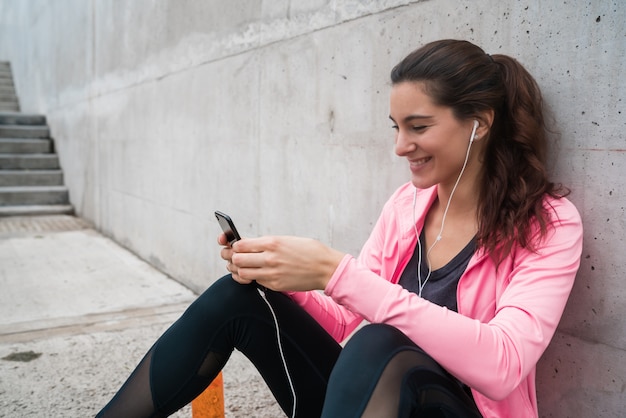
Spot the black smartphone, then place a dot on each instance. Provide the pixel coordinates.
(228, 226)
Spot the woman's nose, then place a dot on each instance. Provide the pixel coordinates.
(403, 145)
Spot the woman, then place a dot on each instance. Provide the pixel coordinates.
(463, 279)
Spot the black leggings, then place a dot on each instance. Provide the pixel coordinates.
(373, 365)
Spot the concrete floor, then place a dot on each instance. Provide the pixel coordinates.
(77, 312)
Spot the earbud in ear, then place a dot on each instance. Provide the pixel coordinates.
(473, 136)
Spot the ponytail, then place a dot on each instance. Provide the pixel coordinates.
(515, 176)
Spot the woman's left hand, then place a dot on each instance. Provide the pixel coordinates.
(285, 263)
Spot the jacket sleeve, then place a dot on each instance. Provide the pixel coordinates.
(338, 321)
(491, 356)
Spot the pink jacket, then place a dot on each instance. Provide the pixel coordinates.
(507, 316)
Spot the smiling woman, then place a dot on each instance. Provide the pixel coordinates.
(463, 279)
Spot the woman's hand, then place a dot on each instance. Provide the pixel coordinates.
(227, 254)
(282, 263)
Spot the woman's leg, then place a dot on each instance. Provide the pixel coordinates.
(381, 373)
(190, 354)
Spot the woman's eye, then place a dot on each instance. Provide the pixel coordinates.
(418, 128)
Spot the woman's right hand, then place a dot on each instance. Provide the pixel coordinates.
(227, 254)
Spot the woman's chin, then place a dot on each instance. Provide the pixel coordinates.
(421, 183)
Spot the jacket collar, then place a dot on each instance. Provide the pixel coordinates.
(424, 199)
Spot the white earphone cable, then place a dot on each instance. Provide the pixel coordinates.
(443, 221)
(280, 349)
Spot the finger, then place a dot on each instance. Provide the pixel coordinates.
(251, 260)
(259, 273)
(249, 274)
(226, 253)
(234, 272)
(233, 269)
(255, 245)
(221, 239)
(240, 280)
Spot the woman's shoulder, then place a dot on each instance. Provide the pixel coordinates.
(561, 209)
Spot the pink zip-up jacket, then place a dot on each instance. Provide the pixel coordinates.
(506, 315)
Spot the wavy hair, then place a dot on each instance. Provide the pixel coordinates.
(460, 75)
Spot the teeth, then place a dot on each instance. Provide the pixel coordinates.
(421, 161)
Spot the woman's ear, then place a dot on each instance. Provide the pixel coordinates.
(485, 120)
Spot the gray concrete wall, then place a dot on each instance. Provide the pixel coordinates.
(276, 112)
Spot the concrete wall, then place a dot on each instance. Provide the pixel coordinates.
(276, 112)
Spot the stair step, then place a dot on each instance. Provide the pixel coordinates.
(29, 162)
(7, 94)
(24, 146)
(9, 106)
(36, 210)
(19, 131)
(31, 182)
(15, 178)
(33, 195)
(15, 118)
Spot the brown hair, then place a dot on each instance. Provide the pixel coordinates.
(460, 75)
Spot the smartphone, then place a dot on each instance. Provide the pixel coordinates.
(228, 226)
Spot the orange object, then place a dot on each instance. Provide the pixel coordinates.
(210, 403)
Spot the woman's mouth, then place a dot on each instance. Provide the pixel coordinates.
(418, 163)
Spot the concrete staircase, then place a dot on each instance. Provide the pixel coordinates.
(31, 180)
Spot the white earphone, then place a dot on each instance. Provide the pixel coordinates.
(473, 135)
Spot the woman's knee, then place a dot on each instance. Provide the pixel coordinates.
(379, 338)
(223, 297)
(372, 347)
(379, 343)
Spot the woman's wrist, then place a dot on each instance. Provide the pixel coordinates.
(330, 266)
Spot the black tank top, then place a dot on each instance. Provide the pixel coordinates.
(442, 284)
